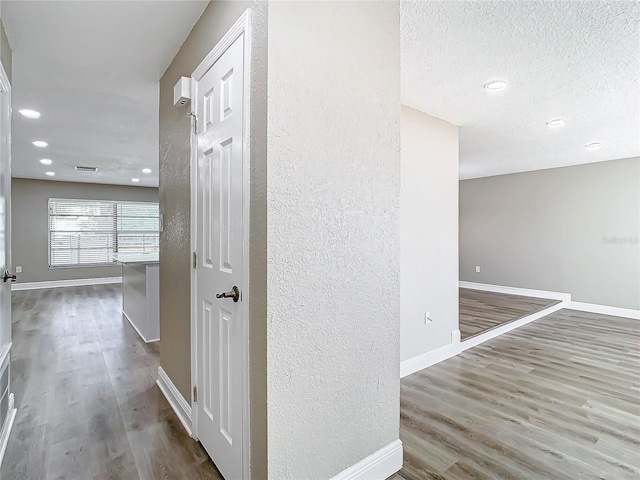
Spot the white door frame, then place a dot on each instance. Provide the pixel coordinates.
(5, 354)
(242, 26)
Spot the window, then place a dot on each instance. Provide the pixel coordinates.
(87, 232)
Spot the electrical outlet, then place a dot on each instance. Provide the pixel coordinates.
(427, 318)
(477, 268)
(18, 269)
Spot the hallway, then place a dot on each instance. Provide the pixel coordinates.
(88, 405)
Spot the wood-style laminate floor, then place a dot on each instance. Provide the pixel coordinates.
(555, 399)
(482, 311)
(88, 405)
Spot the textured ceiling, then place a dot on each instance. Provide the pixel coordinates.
(92, 70)
(576, 60)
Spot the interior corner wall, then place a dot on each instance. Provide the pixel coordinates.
(175, 204)
(572, 230)
(333, 235)
(428, 233)
(30, 224)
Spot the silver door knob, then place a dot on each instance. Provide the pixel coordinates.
(234, 294)
(8, 276)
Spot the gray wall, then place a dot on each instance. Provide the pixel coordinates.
(428, 233)
(573, 230)
(175, 193)
(30, 220)
(333, 235)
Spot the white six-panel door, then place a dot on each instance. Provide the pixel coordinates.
(220, 262)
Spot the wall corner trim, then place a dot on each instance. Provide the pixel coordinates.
(455, 336)
(604, 310)
(179, 405)
(377, 466)
(78, 282)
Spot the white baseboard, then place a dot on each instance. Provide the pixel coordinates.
(604, 309)
(507, 327)
(525, 292)
(415, 364)
(377, 466)
(79, 282)
(8, 425)
(565, 297)
(441, 354)
(179, 405)
(137, 330)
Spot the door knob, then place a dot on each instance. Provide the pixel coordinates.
(8, 276)
(234, 294)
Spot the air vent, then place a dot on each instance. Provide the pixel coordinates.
(86, 169)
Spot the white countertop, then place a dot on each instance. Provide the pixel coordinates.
(139, 258)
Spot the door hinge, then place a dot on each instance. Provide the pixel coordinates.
(195, 122)
(195, 260)
(195, 394)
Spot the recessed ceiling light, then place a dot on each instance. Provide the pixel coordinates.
(556, 122)
(146, 170)
(40, 143)
(135, 180)
(496, 85)
(50, 174)
(46, 161)
(25, 112)
(593, 145)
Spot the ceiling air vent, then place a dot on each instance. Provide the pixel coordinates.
(86, 169)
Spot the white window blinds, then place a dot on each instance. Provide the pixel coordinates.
(87, 232)
(137, 227)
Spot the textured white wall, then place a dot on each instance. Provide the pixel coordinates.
(428, 232)
(333, 235)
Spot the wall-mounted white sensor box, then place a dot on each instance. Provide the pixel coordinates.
(182, 91)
